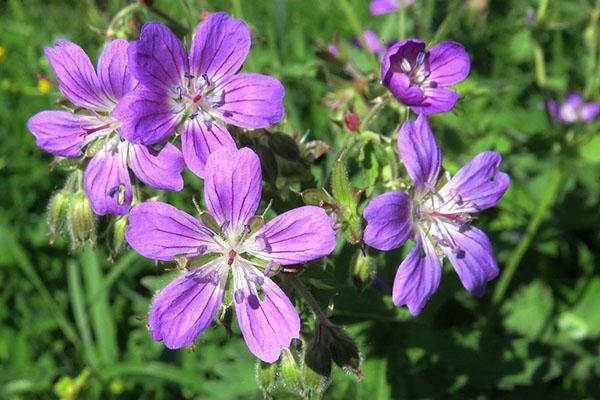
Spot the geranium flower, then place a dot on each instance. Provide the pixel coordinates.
(379, 7)
(420, 78)
(573, 110)
(63, 133)
(436, 216)
(203, 91)
(232, 189)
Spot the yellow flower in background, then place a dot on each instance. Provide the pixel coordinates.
(44, 85)
(2, 53)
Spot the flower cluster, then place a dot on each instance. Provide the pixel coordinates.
(147, 97)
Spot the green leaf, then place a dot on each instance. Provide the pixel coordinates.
(340, 184)
(528, 310)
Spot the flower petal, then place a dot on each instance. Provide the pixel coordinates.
(160, 231)
(471, 256)
(589, 112)
(182, 310)
(476, 186)
(408, 50)
(201, 138)
(158, 59)
(146, 116)
(294, 237)
(449, 63)
(219, 47)
(58, 132)
(436, 101)
(160, 169)
(379, 7)
(418, 277)
(420, 152)
(113, 71)
(402, 89)
(268, 320)
(248, 100)
(76, 76)
(388, 221)
(106, 182)
(232, 187)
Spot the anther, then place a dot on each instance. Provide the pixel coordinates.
(205, 77)
(238, 295)
(255, 279)
(405, 65)
(224, 227)
(206, 231)
(420, 58)
(188, 75)
(268, 268)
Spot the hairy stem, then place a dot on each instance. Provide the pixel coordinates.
(532, 228)
(303, 291)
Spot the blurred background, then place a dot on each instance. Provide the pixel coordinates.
(72, 324)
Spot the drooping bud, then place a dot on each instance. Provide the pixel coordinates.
(81, 220)
(266, 377)
(284, 146)
(291, 374)
(316, 369)
(362, 270)
(315, 149)
(58, 207)
(119, 228)
(352, 120)
(344, 351)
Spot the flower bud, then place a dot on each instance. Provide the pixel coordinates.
(315, 149)
(362, 271)
(342, 348)
(316, 369)
(352, 121)
(57, 213)
(81, 220)
(284, 146)
(119, 228)
(291, 374)
(266, 377)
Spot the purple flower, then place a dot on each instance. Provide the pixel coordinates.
(232, 189)
(203, 90)
(95, 95)
(379, 7)
(436, 217)
(420, 78)
(573, 109)
(374, 45)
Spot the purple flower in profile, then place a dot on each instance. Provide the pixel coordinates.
(374, 45)
(379, 7)
(420, 78)
(573, 110)
(95, 95)
(203, 91)
(185, 307)
(437, 218)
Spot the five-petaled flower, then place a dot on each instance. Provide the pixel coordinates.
(95, 95)
(232, 189)
(419, 78)
(203, 90)
(573, 110)
(379, 7)
(436, 218)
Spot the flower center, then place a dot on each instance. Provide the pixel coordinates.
(416, 70)
(191, 97)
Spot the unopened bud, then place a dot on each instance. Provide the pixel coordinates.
(284, 146)
(342, 347)
(291, 374)
(317, 365)
(57, 213)
(119, 228)
(81, 220)
(266, 377)
(352, 121)
(362, 271)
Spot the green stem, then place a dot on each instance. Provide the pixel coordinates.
(374, 111)
(455, 9)
(546, 202)
(177, 27)
(306, 295)
(110, 31)
(540, 66)
(402, 13)
(358, 32)
(541, 12)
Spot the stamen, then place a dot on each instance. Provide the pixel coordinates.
(206, 231)
(268, 268)
(238, 295)
(224, 227)
(255, 279)
(421, 58)
(188, 75)
(179, 93)
(201, 249)
(205, 77)
(405, 65)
